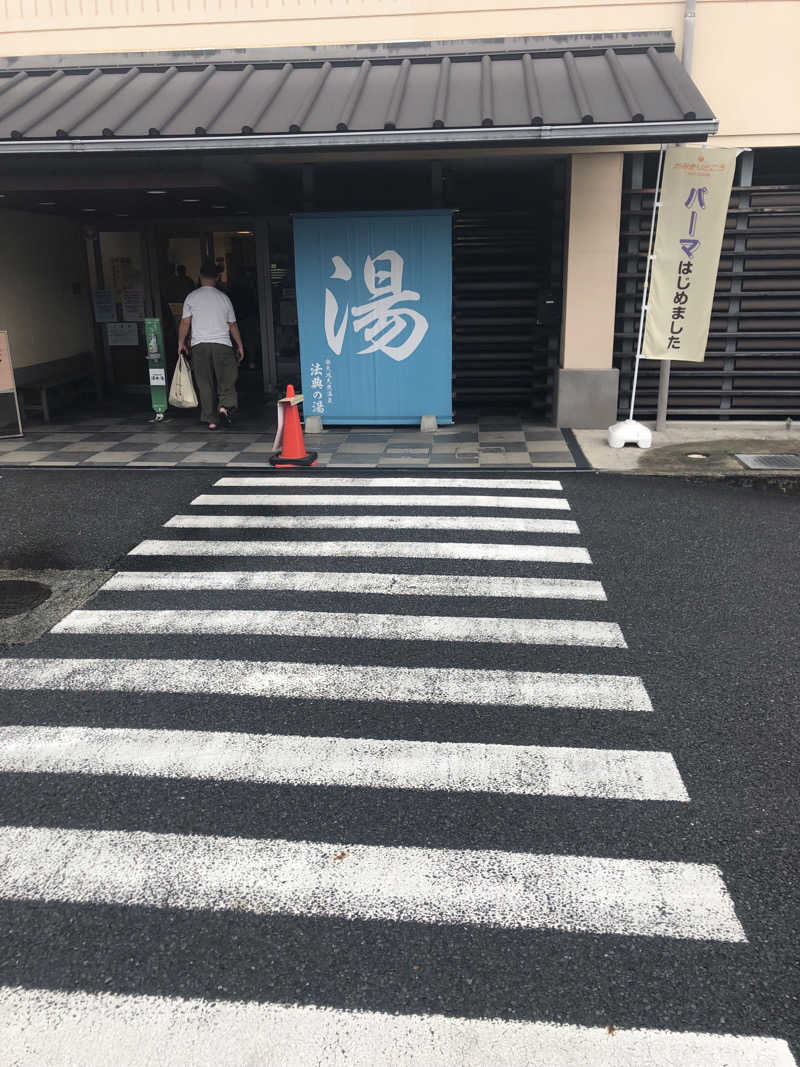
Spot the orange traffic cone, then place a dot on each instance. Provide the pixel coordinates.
(293, 449)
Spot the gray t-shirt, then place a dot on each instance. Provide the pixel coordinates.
(210, 311)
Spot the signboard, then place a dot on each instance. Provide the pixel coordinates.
(156, 367)
(10, 422)
(123, 334)
(133, 305)
(105, 307)
(691, 220)
(374, 299)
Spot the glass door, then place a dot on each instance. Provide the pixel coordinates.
(234, 252)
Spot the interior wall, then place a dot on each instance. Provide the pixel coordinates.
(44, 288)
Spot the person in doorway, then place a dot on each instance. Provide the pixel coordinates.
(209, 315)
(179, 284)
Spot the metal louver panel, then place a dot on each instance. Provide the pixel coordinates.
(752, 364)
(506, 269)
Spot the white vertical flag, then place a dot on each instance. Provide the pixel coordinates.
(695, 192)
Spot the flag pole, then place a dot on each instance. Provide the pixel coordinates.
(647, 273)
(630, 431)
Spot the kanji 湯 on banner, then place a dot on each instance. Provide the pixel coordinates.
(374, 301)
(694, 199)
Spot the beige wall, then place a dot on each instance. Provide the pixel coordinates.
(744, 61)
(590, 283)
(42, 259)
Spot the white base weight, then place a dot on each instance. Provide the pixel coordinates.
(629, 432)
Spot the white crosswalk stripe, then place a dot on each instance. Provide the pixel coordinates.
(429, 585)
(285, 482)
(333, 877)
(428, 685)
(472, 523)
(522, 890)
(383, 500)
(354, 549)
(51, 1026)
(346, 624)
(532, 770)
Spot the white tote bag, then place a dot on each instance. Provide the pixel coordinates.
(181, 392)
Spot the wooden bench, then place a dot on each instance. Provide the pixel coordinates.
(42, 379)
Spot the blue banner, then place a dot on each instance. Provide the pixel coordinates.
(374, 303)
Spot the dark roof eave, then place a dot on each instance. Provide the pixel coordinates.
(593, 133)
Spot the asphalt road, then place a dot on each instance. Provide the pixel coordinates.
(701, 578)
(82, 520)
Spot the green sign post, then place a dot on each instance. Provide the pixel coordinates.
(156, 366)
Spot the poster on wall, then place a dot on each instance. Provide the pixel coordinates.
(122, 334)
(133, 305)
(124, 275)
(105, 308)
(374, 300)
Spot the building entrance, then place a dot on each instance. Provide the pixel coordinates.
(180, 257)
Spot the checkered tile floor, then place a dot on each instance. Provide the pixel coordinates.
(102, 442)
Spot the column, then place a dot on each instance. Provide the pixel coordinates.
(587, 385)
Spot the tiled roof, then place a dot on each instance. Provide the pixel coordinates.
(631, 87)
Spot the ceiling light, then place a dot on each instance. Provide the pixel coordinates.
(47, 203)
(191, 200)
(243, 233)
(219, 205)
(88, 209)
(156, 192)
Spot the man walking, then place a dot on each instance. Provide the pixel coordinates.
(209, 314)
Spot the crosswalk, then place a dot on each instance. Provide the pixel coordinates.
(332, 602)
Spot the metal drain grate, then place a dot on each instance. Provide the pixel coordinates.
(17, 597)
(765, 461)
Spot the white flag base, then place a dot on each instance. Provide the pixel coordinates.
(629, 432)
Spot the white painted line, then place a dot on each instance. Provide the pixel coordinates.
(355, 625)
(341, 761)
(350, 582)
(283, 482)
(374, 522)
(428, 500)
(330, 681)
(372, 549)
(650, 898)
(76, 1029)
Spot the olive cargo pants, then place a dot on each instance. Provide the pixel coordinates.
(212, 361)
